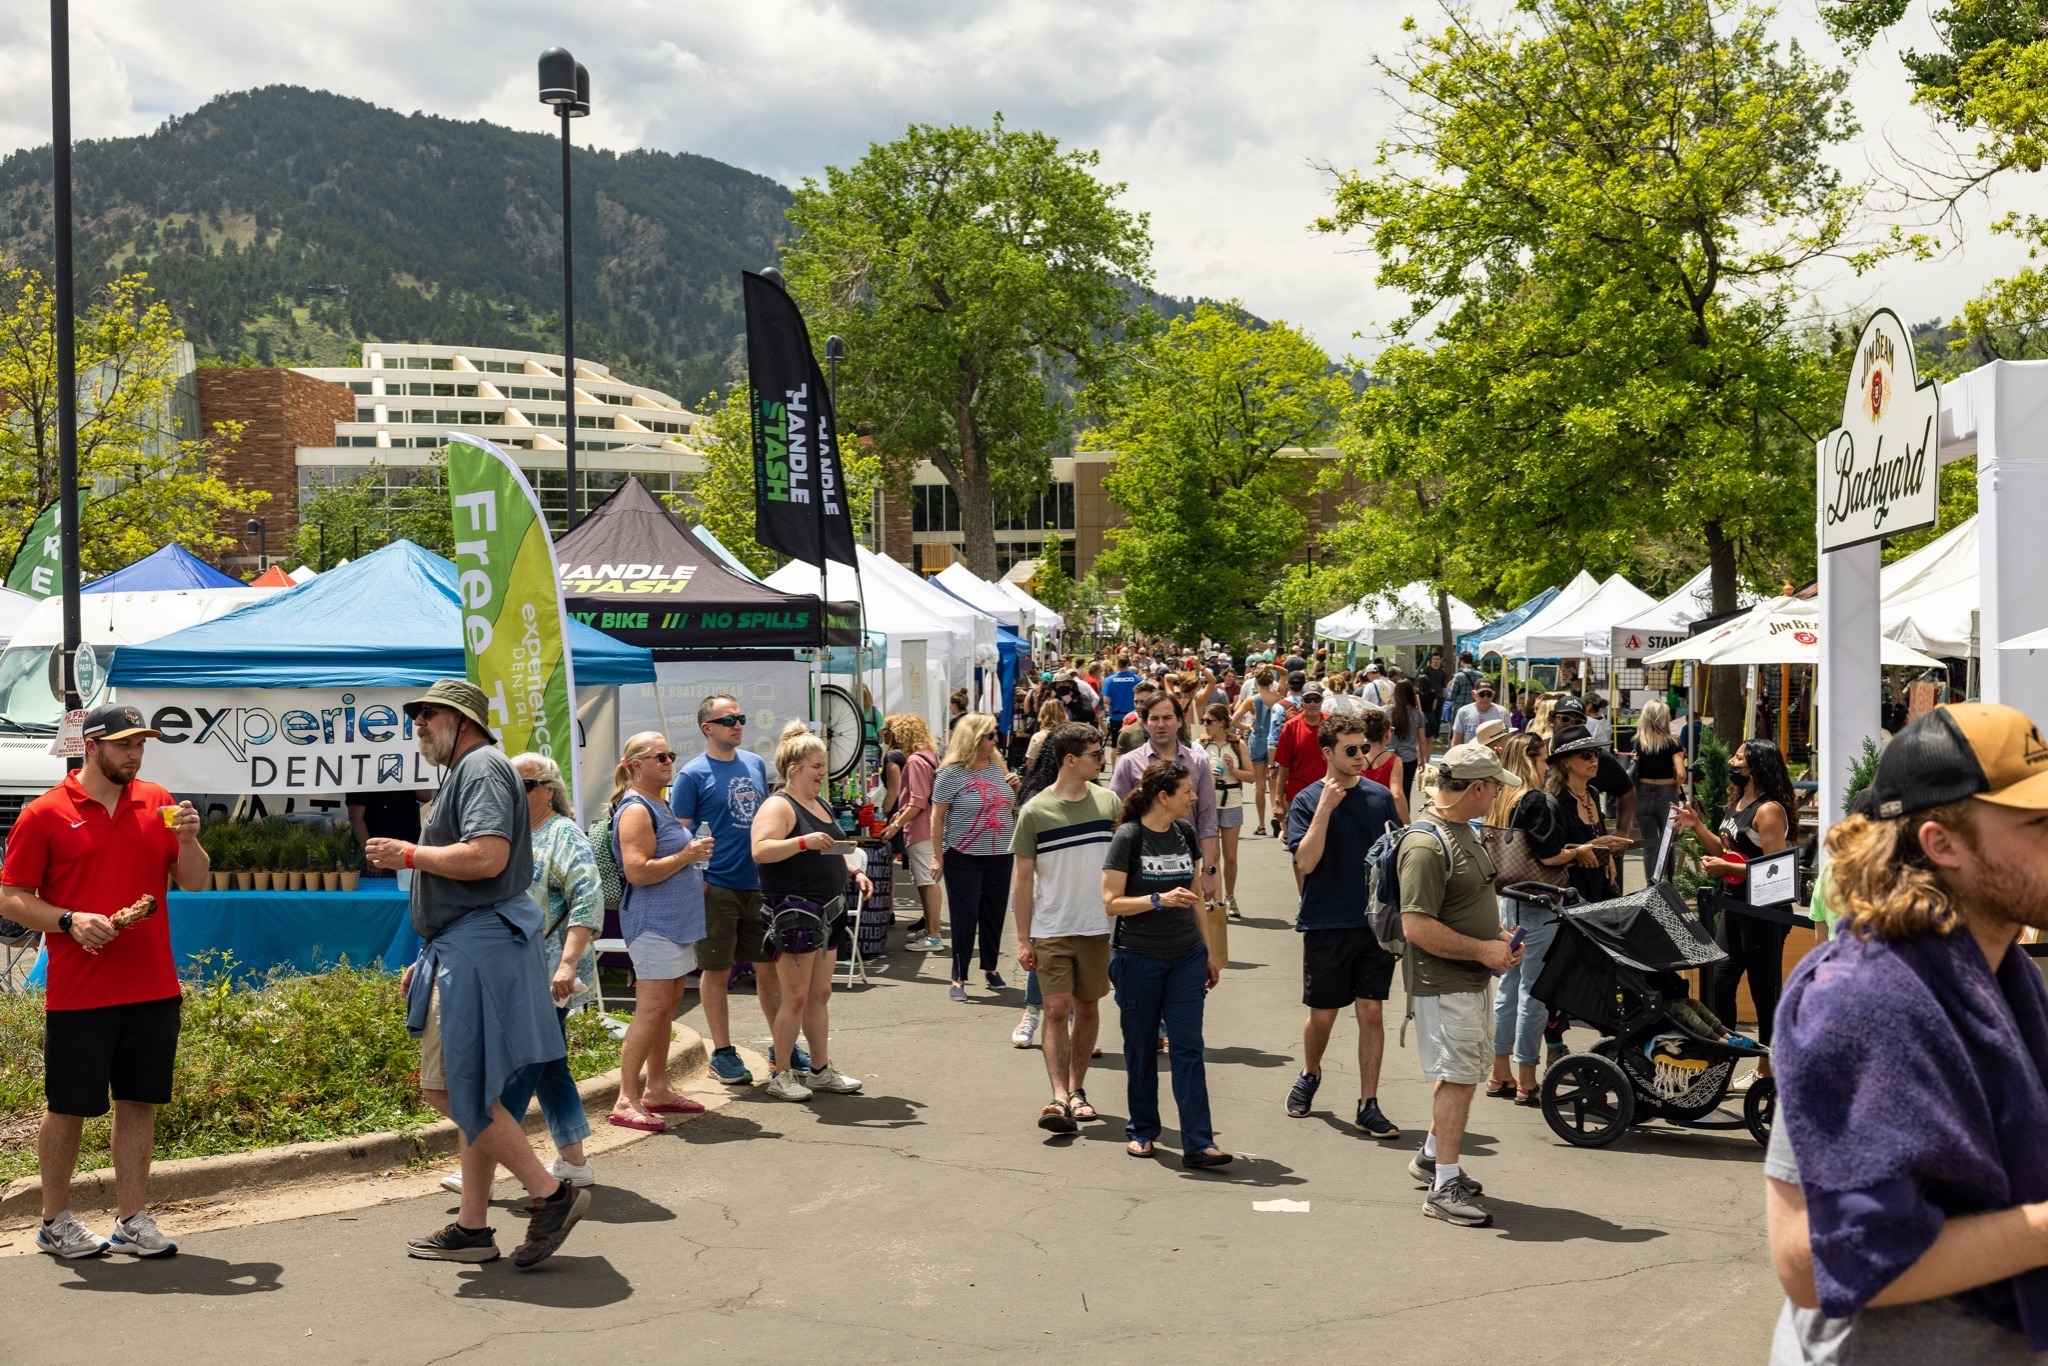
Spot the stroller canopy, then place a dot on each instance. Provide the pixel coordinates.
(1650, 930)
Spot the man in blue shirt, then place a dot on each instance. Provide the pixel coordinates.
(723, 788)
(1119, 690)
(1330, 828)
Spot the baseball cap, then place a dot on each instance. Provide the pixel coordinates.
(1473, 760)
(1968, 749)
(1312, 690)
(1568, 705)
(458, 695)
(116, 722)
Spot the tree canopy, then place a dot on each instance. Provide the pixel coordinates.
(967, 269)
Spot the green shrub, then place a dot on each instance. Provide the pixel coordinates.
(1710, 792)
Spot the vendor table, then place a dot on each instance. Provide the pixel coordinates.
(296, 931)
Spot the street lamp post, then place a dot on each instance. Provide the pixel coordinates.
(66, 343)
(566, 85)
(261, 532)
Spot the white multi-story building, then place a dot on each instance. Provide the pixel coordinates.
(407, 397)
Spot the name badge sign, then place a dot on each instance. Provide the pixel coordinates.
(1879, 470)
(291, 742)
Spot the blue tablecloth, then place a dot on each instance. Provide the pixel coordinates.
(298, 931)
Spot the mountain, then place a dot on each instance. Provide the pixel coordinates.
(290, 224)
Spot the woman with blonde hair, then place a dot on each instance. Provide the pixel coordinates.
(974, 808)
(661, 916)
(803, 899)
(913, 820)
(1051, 716)
(1659, 774)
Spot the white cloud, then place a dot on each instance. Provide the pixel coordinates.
(1214, 113)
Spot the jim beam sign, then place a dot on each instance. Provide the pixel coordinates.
(1879, 470)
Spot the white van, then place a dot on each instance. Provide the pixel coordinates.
(30, 712)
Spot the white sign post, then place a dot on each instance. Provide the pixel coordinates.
(1878, 476)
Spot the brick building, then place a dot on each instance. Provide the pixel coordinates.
(280, 411)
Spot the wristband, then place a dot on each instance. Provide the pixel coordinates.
(410, 850)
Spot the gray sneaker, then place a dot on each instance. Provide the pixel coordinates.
(138, 1236)
(64, 1236)
(1457, 1202)
(832, 1081)
(785, 1086)
(1423, 1169)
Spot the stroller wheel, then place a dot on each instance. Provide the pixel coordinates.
(1588, 1100)
(1759, 1108)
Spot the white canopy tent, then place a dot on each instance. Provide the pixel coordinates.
(926, 656)
(978, 593)
(2033, 640)
(1777, 631)
(978, 626)
(1407, 616)
(1664, 624)
(1512, 644)
(1932, 596)
(1583, 631)
(1041, 616)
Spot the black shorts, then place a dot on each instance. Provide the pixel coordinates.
(1342, 966)
(130, 1049)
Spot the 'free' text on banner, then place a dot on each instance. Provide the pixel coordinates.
(513, 626)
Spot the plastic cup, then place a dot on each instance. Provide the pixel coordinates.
(169, 815)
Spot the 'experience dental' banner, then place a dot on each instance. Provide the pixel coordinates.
(513, 627)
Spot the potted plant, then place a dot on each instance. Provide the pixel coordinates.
(235, 851)
(261, 856)
(213, 838)
(293, 852)
(351, 860)
(326, 862)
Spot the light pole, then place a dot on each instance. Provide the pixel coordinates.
(257, 529)
(566, 85)
(66, 342)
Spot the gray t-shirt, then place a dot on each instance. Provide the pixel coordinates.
(1903, 1335)
(483, 796)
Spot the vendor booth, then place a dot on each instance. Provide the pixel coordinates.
(983, 596)
(920, 648)
(1043, 618)
(1406, 617)
(1476, 642)
(173, 567)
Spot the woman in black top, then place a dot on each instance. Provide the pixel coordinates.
(793, 839)
(1659, 774)
(1577, 822)
(1159, 960)
(1762, 819)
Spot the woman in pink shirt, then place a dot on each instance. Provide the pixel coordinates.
(914, 818)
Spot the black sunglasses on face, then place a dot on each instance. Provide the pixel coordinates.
(733, 720)
(531, 783)
(1350, 751)
(662, 758)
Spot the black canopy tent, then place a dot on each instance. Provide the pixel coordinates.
(632, 570)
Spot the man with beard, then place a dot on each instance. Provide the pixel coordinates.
(478, 998)
(1907, 1190)
(87, 864)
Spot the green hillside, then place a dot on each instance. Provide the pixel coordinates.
(289, 224)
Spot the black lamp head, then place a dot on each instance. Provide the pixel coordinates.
(580, 106)
(835, 348)
(255, 527)
(558, 72)
(771, 273)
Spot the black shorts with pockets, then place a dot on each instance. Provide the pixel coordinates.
(1342, 966)
(128, 1049)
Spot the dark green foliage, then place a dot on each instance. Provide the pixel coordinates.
(1710, 791)
(297, 223)
(1861, 774)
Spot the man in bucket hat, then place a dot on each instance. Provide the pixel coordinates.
(478, 996)
(1907, 1172)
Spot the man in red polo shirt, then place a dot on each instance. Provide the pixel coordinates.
(1299, 753)
(90, 847)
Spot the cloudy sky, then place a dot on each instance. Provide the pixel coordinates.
(1216, 113)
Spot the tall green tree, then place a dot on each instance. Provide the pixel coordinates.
(1599, 211)
(1209, 417)
(143, 483)
(968, 269)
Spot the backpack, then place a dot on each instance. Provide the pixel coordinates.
(1383, 884)
(601, 850)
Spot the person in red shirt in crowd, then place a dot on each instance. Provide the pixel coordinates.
(82, 859)
(1299, 753)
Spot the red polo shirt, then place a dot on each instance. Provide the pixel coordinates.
(1300, 752)
(69, 851)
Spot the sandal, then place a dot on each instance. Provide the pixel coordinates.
(674, 1105)
(646, 1126)
(1137, 1150)
(1078, 1106)
(1053, 1118)
(1531, 1097)
(1502, 1089)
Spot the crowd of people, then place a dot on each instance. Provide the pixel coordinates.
(1906, 1197)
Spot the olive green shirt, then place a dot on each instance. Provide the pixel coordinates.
(1463, 902)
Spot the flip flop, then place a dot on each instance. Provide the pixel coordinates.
(646, 1126)
(680, 1105)
(1131, 1150)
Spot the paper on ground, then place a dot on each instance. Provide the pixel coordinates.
(1280, 1206)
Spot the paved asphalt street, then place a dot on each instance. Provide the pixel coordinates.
(930, 1218)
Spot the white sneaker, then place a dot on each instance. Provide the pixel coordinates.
(64, 1236)
(832, 1081)
(564, 1170)
(452, 1183)
(1740, 1086)
(1026, 1032)
(784, 1086)
(138, 1236)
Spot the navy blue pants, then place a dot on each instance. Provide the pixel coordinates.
(1170, 991)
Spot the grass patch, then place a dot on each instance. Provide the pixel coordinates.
(291, 1060)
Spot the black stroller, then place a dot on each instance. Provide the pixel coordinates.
(1614, 965)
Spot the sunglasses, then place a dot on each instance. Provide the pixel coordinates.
(428, 713)
(662, 758)
(733, 720)
(531, 783)
(1350, 751)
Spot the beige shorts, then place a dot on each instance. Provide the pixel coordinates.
(1075, 965)
(919, 858)
(433, 1068)
(1454, 1036)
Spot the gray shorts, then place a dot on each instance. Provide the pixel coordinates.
(661, 959)
(1229, 817)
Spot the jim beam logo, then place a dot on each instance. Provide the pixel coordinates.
(1877, 473)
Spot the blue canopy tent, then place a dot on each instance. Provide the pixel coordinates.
(172, 567)
(389, 619)
(1506, 622)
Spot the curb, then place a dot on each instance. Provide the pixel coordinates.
(196, 1178)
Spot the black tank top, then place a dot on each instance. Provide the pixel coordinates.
(1657, 764)
(1738, 830)
(816, 876)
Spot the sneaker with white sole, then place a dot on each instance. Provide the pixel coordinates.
(452, 1183)
(785, 1086)
(1423, 1169)
(1026, 1032)
(455, 1243)
(564, 1170)
(831, 1081)
(1457, 1202)
(138, 1236)
(930, 943)
(65, 1237)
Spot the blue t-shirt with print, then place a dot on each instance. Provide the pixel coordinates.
(724, 794)
(1119, 692)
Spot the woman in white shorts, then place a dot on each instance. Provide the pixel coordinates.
(661, 915)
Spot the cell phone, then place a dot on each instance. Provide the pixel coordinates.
(1515, 939)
